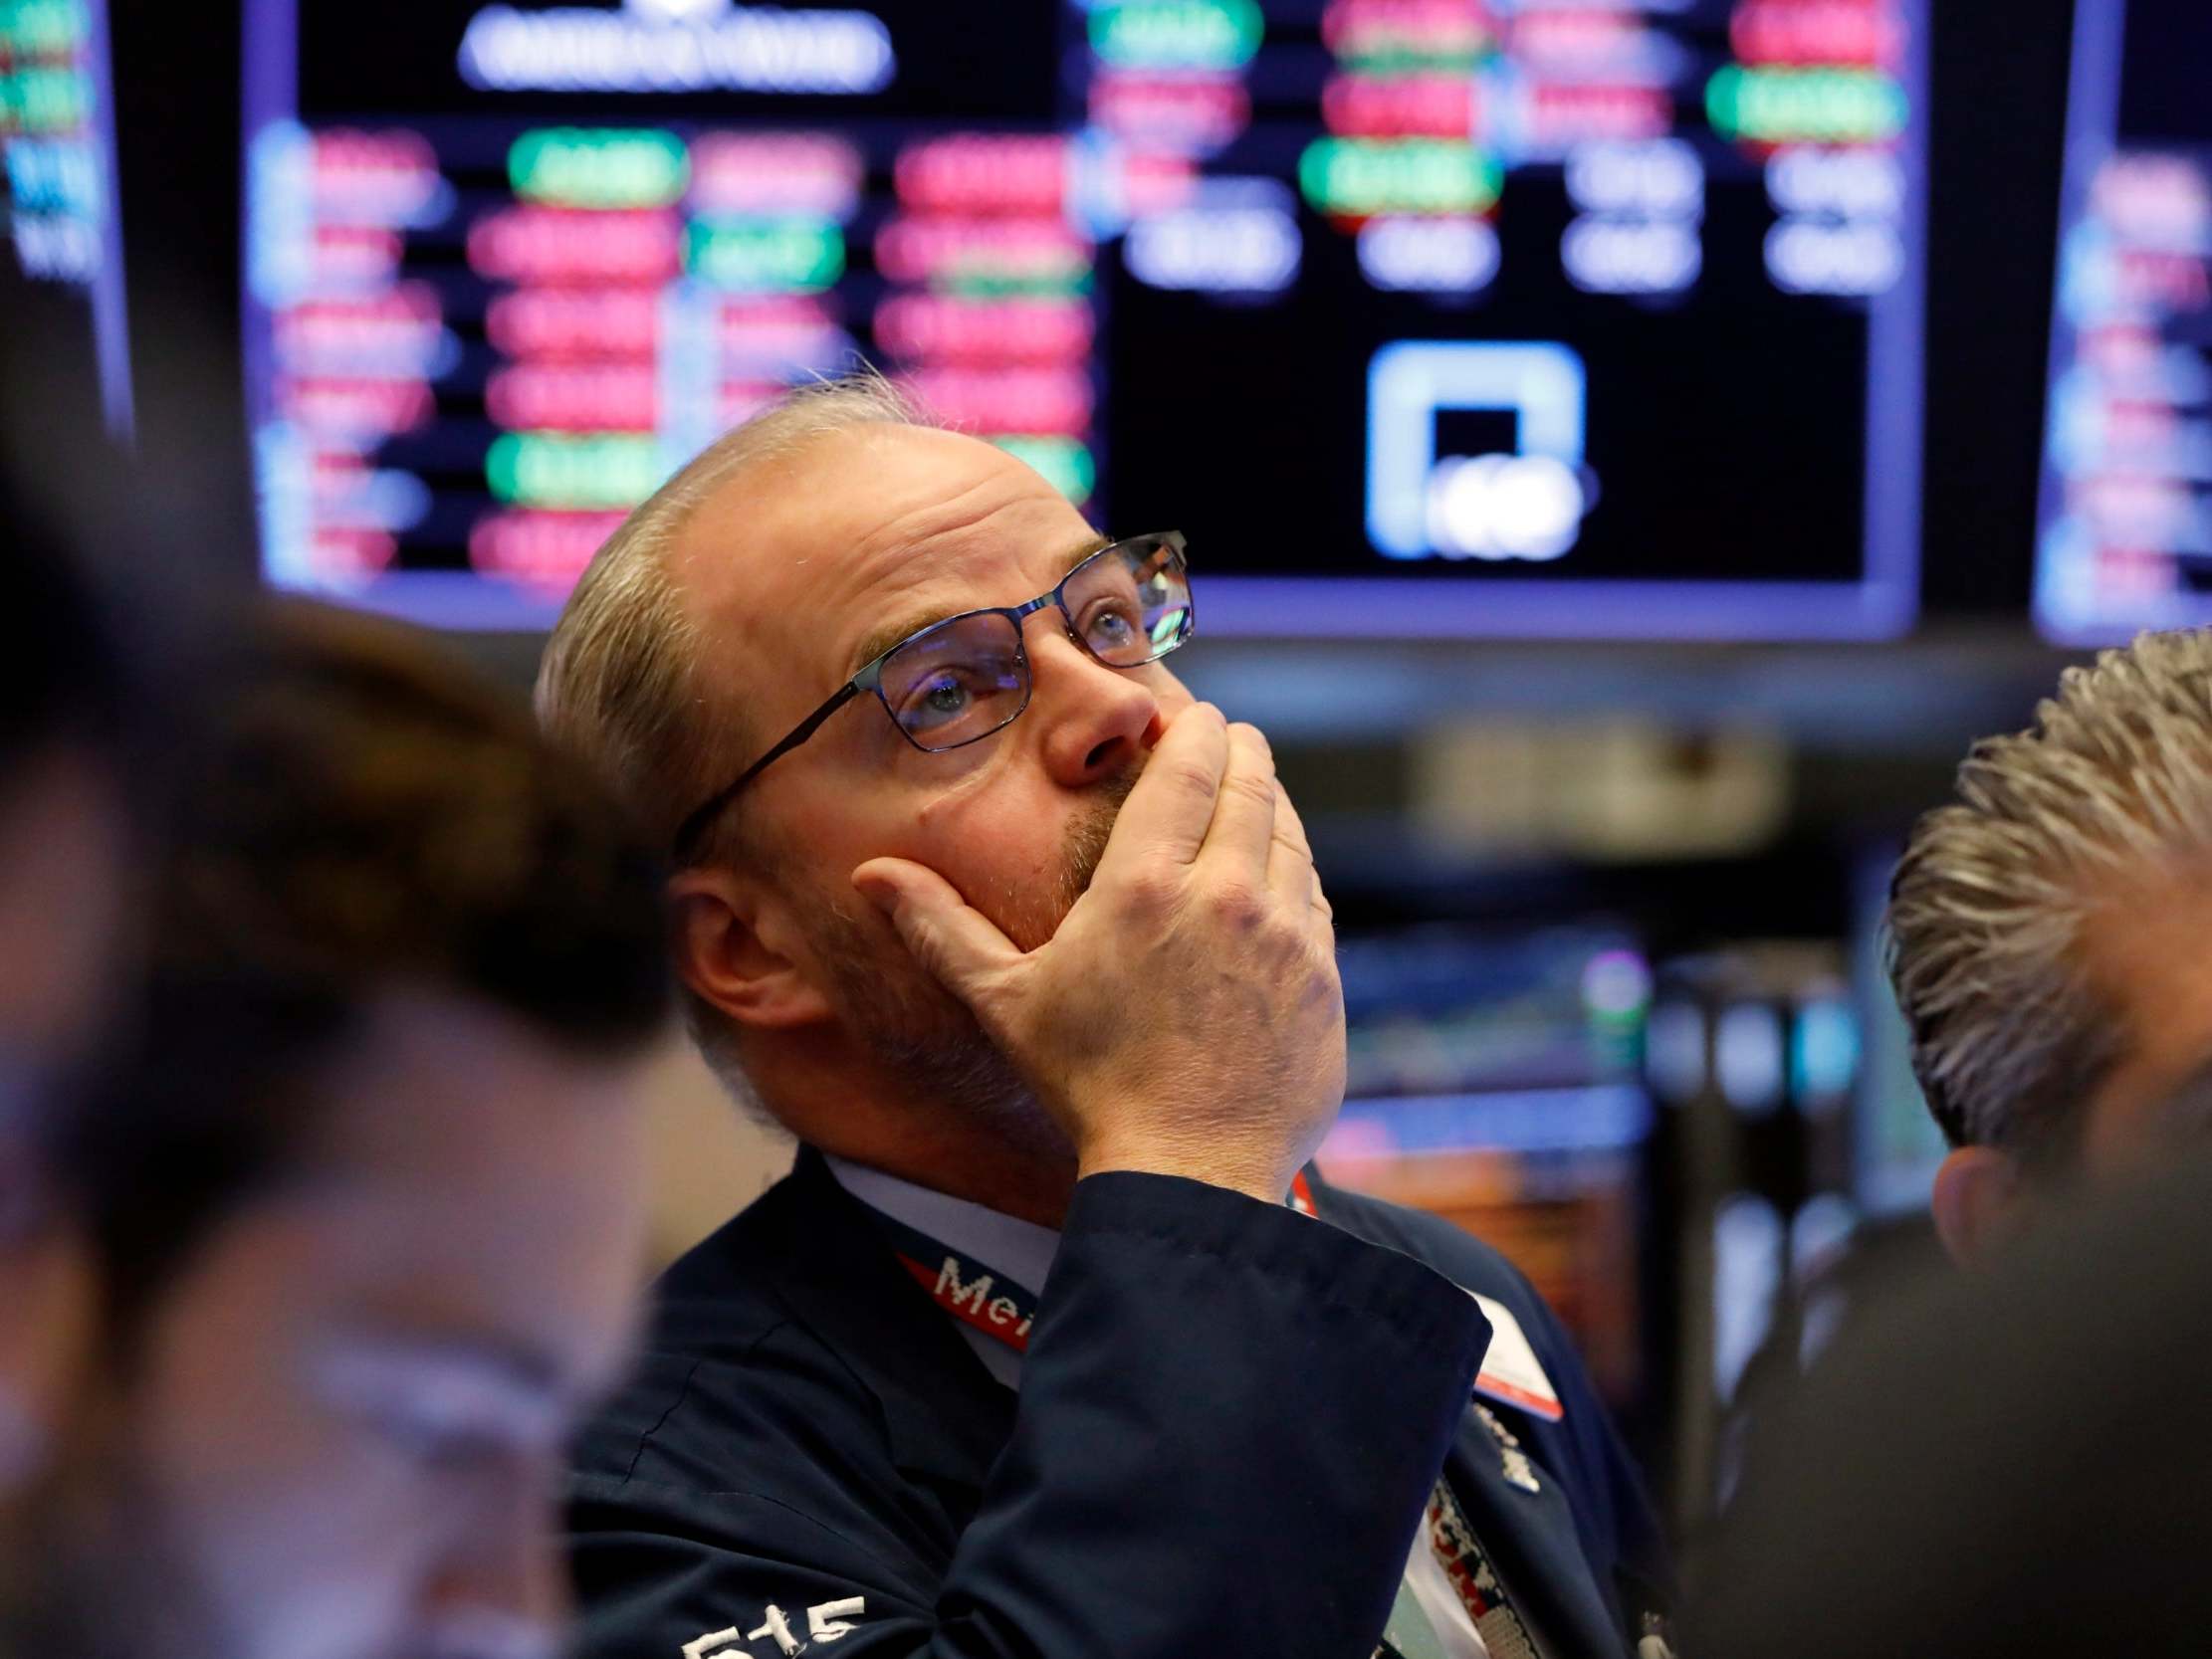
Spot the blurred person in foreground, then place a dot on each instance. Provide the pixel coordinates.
(2048, 940)
(1032, 1353)
(2011, 1462)
(360, 1214)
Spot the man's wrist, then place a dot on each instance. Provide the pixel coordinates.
(1265, 1178)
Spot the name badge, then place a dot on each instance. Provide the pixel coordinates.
(1511, 1373)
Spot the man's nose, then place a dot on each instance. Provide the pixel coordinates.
(502, 1592)
(1099, 721)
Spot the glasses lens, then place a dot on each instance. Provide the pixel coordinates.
(956, 682)
(1131, 602)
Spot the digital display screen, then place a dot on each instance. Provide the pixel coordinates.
(61, 298)
(1419, 316)
(2124, 539)
(1492, 1079)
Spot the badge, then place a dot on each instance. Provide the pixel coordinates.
(1510, 1373)
(1518, 1470)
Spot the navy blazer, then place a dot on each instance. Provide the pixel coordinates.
(1228, 1424)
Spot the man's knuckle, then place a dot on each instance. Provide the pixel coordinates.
(1256, 788)
(1238, 901)
(1152, 888)
(1193, 776)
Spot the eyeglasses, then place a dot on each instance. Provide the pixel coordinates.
(959, 680)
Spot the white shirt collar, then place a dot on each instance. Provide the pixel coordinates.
(1020, 1250)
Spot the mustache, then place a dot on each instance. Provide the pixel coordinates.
(1088, 834)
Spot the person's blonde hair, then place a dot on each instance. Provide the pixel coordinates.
(2111, 786)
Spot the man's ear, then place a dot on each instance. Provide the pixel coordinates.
(737, 947)
(1980, 1201)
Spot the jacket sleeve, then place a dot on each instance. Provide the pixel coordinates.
(1231, 1418)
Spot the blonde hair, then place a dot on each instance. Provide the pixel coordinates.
(2110, 785)
(616, 685)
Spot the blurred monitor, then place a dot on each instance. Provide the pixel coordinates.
(1421, 317)
(1495, 1080)
(66, 355)
(1896, 1144)
(2125, 506)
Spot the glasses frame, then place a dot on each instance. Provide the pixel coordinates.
(869, 678)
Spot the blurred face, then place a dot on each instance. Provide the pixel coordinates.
(61, 904)
(2151, 955)
(339, 1433)
(801, 572)
(61, 910)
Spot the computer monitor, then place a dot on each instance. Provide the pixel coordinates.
(1420, 316)
(2124, 535)
(1495, 1080)
(67, 353)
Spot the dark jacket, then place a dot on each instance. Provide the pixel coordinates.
(1229, 1421)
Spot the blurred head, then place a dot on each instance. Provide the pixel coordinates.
(2051, 938)
(362, 1209)
(729, 607)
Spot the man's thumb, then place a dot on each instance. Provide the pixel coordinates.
(960, 945)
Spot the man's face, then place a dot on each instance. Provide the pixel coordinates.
(338, 1433)
(2149, 953)
(63, 944)
(62, 908)
(801, 572)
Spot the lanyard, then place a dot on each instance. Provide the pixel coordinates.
(964, 1288)
(981, 1295)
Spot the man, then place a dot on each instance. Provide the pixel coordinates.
(1029, 1355)
(352, 1228)
(2009, 1462)
(2048, 938)
(2049, 949)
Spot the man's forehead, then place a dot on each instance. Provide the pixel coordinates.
(801, 557)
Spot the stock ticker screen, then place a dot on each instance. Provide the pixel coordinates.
(62, 300)
(1420, 316)
(2125, 522)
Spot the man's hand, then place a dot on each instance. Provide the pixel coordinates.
(1185, 1019)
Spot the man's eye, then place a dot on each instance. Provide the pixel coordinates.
(1111, 628)
(943, 696)
(433, 1414)
(428, 1434)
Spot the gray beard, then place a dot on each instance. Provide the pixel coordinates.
(920, 1031)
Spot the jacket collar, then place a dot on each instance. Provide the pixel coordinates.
(1016, 1249)
(947, 1417)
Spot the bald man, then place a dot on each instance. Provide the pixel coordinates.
(1050, 1345)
